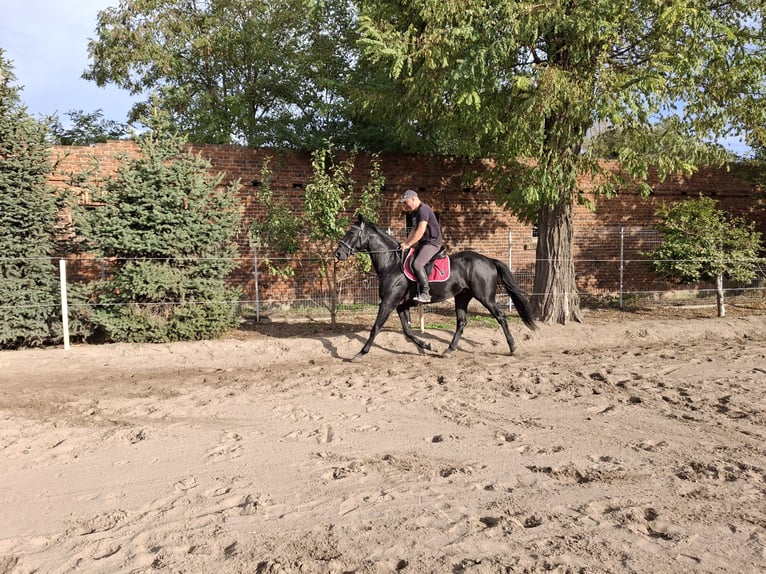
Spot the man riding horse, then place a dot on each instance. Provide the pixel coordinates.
(471, 276)
(426, 237)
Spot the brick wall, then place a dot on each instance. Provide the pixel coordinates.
(469, 216)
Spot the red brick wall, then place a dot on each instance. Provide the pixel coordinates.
(470, 218)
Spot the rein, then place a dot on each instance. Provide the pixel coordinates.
(353, 249)
(349, 247)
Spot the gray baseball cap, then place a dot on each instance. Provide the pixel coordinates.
(407, 195)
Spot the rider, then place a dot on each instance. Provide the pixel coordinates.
(426, 235)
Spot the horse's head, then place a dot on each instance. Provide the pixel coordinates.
(354, 240)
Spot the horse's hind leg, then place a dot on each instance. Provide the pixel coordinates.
(461, 316)
(498, 314)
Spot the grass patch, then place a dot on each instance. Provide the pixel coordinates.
(473, 321)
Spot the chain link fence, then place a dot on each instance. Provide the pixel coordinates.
(612, 270)
(622, 273)
(611, 264)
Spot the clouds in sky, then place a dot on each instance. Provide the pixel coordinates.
(47, 44)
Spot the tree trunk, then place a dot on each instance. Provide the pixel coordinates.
(719, 295)
(555, 298)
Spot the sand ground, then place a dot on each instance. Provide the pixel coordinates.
(622, 444)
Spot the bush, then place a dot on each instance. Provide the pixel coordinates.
(702, 243)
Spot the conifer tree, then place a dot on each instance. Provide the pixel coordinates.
(166, 228)
(28, 286)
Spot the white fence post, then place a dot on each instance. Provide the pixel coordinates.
(64, 305)
(510, 263)
(257, 294)
(622, 261)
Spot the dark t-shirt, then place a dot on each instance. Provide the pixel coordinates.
(433, 234)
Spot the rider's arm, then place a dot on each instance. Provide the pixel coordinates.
(415, 235)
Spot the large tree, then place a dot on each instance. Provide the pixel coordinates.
(525, 81)
(255, 72)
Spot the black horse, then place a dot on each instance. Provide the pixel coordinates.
(472, 276)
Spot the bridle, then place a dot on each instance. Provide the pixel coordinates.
(351, 248)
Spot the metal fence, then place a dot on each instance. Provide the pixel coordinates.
(622, 271)
(611, 264)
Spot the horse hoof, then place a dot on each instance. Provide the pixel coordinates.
(448, 352)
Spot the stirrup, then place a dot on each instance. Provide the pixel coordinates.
(423, 298)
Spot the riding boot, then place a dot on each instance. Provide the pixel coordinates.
(425, 288)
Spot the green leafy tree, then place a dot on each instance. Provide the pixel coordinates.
(254, 72)
(702, 243)
(323, 220)
(659, 140)
(29, 304)
(280, 228)
(523, 82)
(167, 230)
(86, 129)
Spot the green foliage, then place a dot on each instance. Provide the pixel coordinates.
(323, 219)
(29, 302)
(326, 196)
(514, 80)
(280, 228)
(702, 243)
(660, 141)
(326, 204)
(167, 230)
(86, 129)
(370, 197)
(753, 170)
(257, 72)
(325, 214)
(327, 200)
(523, 82)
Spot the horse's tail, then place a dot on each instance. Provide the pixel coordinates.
(518, 296)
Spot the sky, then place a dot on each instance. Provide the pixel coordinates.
(47, 44)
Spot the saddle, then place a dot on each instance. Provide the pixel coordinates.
(437, 268)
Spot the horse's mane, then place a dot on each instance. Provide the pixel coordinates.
(382, 234)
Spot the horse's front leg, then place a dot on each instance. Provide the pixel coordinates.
(384, 310)
(404, 317)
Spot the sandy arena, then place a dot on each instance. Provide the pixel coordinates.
(623, 444)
